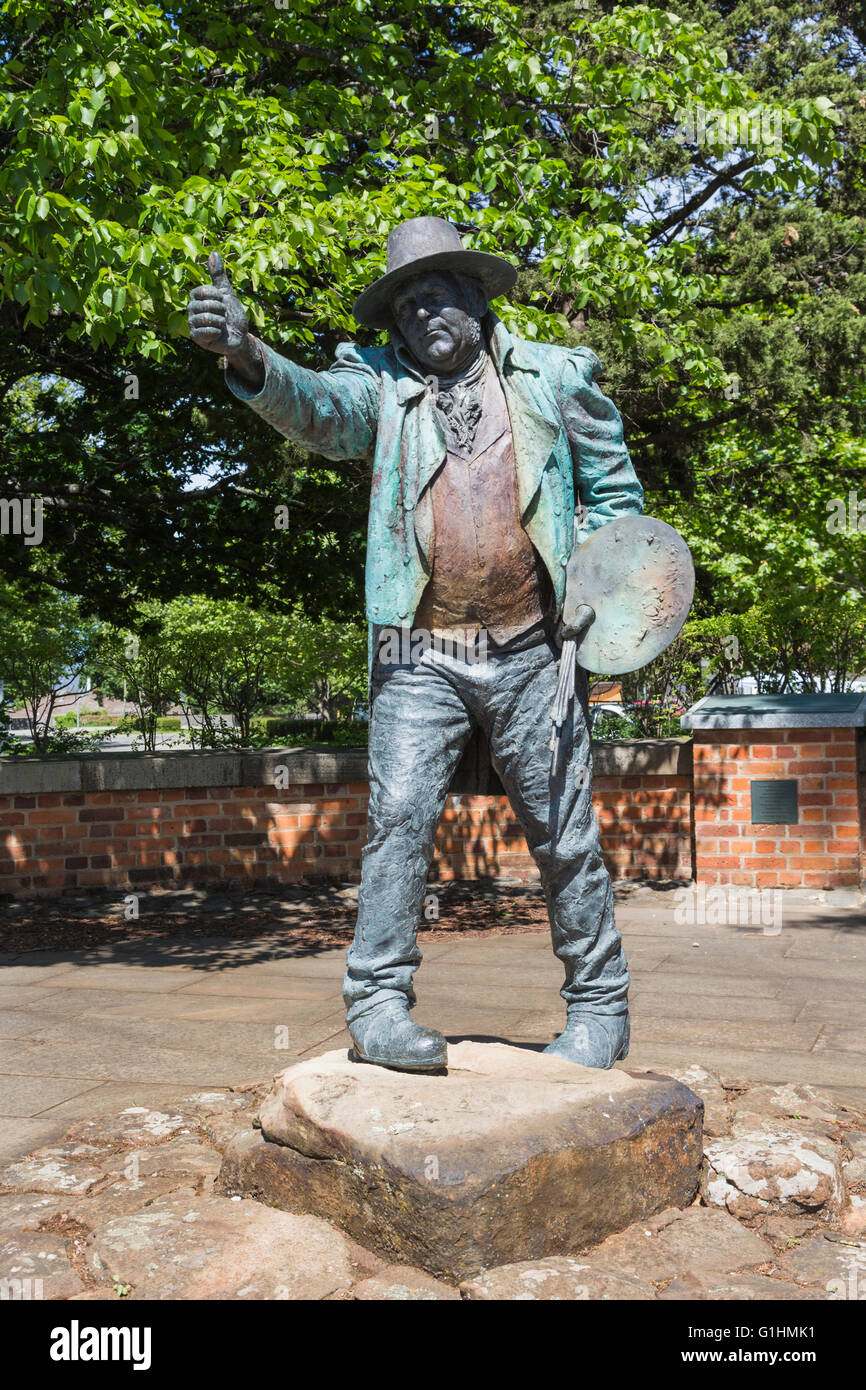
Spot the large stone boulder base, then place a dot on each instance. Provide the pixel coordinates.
(511, 1156)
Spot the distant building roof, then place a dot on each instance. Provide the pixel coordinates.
(605, 692)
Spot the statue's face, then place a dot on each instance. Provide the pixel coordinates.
(439, 315)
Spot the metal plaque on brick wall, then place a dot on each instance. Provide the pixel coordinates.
(774, 802)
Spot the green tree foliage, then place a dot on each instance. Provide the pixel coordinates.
(141, 662)
(134, 138)
(783, 644)
(328, 674)
(778, 520)
(227, 657)
(45, 647)
(776, 254)
(218, 657)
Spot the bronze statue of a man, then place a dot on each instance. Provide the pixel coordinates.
(491, 458)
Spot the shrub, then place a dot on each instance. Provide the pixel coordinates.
(98, 718)
(344, 733)
(163, 724)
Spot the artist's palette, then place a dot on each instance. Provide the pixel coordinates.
(636, 573)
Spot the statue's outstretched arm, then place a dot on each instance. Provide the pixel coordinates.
(333, 413)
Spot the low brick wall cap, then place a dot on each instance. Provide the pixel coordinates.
(98, 772)
(806, 711)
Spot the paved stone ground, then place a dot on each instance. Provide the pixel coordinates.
(143, 1021)
(141, 1205)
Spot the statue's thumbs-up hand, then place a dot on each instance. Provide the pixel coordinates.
(217, 319)
(218, 272)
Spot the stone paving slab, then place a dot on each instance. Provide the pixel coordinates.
(836, 1007)
(36, 973)
(18, 996)
(452, 1019)
(111, 975)
(845, 1040)
(780, 971)
(28, 1096)
(769, 1035)
(656, 1026)
(229, 1036)
(62, 1003)
(668, 984)
(758, 1065)
(192, 1008)
(242, 986)
(93, 1062)
(710, 1009)
(16, 1023)
(454, 989)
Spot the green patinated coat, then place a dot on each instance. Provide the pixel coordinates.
(373, 404)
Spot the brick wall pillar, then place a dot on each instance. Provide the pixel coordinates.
(825, 848)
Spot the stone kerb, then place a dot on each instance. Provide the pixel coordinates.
(257, 767)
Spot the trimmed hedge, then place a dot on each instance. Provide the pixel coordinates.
(346, 733)
(165, 724)
(90, 718)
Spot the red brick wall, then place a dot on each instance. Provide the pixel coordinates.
(645, 825)
(821, 851)
(51, 842)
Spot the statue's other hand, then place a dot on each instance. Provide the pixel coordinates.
(581, 621)
(217, 319)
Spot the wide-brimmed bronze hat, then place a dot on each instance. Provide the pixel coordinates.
(428, 243)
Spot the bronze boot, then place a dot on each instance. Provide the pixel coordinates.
(387, 1037)
(593, 1040)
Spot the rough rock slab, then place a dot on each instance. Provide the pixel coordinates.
(221, 1129)
(25, 1211)
(215, 1102)
(125, 1196)
(35, 1256)
(791, 1102)
(51, 1171)
(698, 1246)
(786, 1232)
(191, 1247)
(831, 1263)
(174, 1159)
(856, 1142)
(774, 1169)
(402, 1284)
(852, 1218)
(136, 1125)
(733, 1288)
(855, 1167)
(707, 1085)
(560, 1279)
(511, 1156)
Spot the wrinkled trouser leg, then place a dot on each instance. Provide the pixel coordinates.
(559, 823)
(419, 726)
